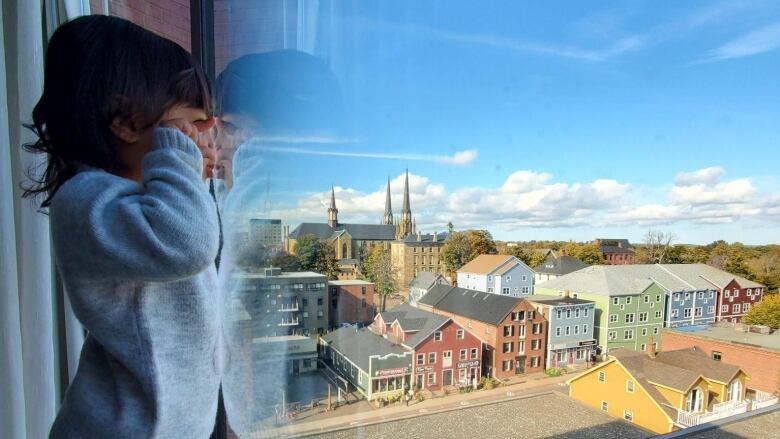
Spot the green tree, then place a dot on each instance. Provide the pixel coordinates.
(378, 268)
(765, 313)
(286, 262)
(590, 254)
(315, 255)
(456, 251)
(529, 256)
(480, 243)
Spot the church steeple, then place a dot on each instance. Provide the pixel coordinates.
(388, 218)
(333, 213)
(405, 228)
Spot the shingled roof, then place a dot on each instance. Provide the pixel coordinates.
(414, 319)
(484, 307)
(698, 361)
(614, 245)
(485, 264)
(366, 232)
(560, 265)
(360, 344)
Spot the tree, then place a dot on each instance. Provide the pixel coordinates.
(529, 256)
(480, 243)
(766, 268)
(767, 312)
(325, 262)
(657, 245)
(378, 268)
(456, 251)
(315, 255)
(590, 254)
(286, 262)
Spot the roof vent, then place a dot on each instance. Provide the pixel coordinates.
(273, 271)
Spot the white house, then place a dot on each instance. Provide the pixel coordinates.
(498, 274)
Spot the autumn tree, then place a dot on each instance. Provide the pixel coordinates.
(315, 255)
(378, 268)
(529, 256)
(462, 247)
(767, 312)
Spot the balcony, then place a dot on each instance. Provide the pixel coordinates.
(762, 399)
(291, 322)
(719, 411)
(289, 307)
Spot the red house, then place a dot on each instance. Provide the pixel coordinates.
(445, 354)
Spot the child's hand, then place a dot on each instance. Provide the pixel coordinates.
(189, 129)
(200, 133)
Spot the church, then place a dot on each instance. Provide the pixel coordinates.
(353, 242)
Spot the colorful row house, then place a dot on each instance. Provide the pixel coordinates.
(513, 333)
(445, 354)
(570, 339)
(663, 392)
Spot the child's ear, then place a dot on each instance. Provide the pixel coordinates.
(126, 129)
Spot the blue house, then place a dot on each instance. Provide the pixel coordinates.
(570, 336)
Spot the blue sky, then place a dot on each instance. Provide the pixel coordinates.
(539, 120)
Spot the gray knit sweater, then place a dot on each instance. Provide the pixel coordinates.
(137, 261)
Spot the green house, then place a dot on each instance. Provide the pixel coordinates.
(629, 309)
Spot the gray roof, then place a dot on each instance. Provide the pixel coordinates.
(426, 279)
(606, 280)
(360, 344)
(696, 272)
(698, 361)
(484, 307)
(614, 245)
(414, 319)
(365, 232)
(560, 266)
(426, 238)
(557, 301)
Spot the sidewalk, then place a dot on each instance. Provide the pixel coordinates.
(363, 413)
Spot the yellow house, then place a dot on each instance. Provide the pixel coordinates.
(662, 392)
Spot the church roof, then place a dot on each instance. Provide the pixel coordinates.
(366, 232)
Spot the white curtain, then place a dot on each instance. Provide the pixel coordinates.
(29, 350)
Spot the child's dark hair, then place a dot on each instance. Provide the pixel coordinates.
(99, 68)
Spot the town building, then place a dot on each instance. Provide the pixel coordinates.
(266, 233)
(353, 242)
(615, 251)
(445, 354)
(497, 274)
(422, 283)
(351, 302)
(297, 352)
(662, 392)
(570, 322)
(372, 364)
(755, 349)
(735, 294)
(513, 332)
(554, 267)
(283, 303)
(417, 253)
(629, 309)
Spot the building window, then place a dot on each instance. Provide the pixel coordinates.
(585, 312)
(521, 347)
(604, 406)
(630, 318)
(658, 314)
(474, 353)
(558, 314)
(642, 347)
(687, 312)
(612, 335)
(506, 365)
(525, 290)
(558, 331)
(463, 355)
(687, 296)
(615, 300)
(505, 290)
(576, 329)
(736, 308)
(630, 386)
(628, 334)
(534, 361)
(676, 296)
(628, 300)
(490, 289)
(613, 318)
(644, 332)
(431, 379)
(577, 313)
(568, 330)
(459, 334)
(437, 336)
(643, 316)
(522, 331)
(536, 344)
(432, 358)
(420, 359)
(655, 330)
(568, 313)
(697, 312)
(745, 307)
(363, 303)
(531, 315)
(716, 355)
(602, 376)
(320, 314)
(508, 278)
(647, 299)
(507, 348)
(490, 278)
(585, 328)
(537, 328)
(712, 294)
(628, 415)
(724, 308)
(363, 290)
(319, 301)
(305, 302)
(509, 330)
(675, 313)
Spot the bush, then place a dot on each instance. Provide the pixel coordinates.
(419, 397)
(555, 371)
(487, 383)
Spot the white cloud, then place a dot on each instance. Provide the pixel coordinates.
(530, 199)
(460, 158)
(762, 40)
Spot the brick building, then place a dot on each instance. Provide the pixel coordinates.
(615, 251)
(758, 354)
(513, 332)
(351, 301)
(445, 354)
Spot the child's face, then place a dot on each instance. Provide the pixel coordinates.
(201, 121)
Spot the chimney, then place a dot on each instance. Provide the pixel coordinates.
(567, 293)
(419, 237)
(435, 237)
(650, 347)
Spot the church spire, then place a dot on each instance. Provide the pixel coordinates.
(406, 208)
(388, 218)
(333, 213)
(406, 228)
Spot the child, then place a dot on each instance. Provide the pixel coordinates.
(134, 229)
